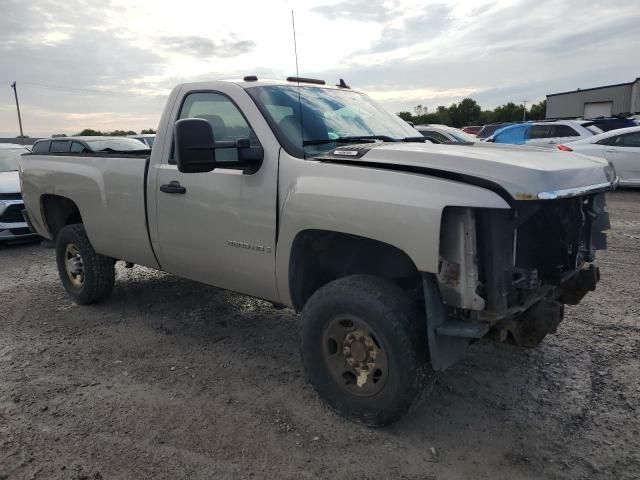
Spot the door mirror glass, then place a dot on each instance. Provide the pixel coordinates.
(194, 145)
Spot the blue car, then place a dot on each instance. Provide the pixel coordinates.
(607, 124)
(545, 134)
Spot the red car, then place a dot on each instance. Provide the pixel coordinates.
(472, 129)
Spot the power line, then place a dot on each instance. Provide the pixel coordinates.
(80, 90)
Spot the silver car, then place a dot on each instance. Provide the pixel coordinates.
(619, 147)
(12, 223)
(445, 134)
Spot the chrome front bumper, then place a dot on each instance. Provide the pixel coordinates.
(12, 230)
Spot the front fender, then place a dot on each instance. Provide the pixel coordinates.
(398, 208)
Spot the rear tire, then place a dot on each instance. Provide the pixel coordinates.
(364, 348)
(87, 276)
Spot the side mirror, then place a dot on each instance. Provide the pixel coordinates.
(194, 145)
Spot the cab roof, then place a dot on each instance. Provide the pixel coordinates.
(246, 82)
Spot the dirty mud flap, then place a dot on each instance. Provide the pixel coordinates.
(444, 350)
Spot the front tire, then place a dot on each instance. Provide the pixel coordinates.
(364, 348)
(87, 276)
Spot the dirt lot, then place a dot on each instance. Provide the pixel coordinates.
(172, 379)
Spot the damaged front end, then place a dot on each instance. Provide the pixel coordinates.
(509, 273)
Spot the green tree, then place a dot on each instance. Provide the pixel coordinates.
(538, 111)
(509, 112)
(465, 112)
(150, 131)
(89, 132)
(406, 116)
(420, 110)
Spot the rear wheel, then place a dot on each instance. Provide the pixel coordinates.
(87, 276)
(364, 348)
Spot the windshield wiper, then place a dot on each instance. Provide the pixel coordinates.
(111, 150)
(360, 138)
(419, 139)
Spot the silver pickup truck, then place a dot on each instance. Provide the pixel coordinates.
(397, 252)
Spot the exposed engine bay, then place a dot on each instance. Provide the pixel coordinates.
(514, 270)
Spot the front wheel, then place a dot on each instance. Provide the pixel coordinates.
(364, 348)
(87, 276)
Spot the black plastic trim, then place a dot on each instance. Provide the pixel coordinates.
(92, 154)
(314, 81)
(145, 184)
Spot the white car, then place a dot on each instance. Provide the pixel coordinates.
(12, 223)
(146, 138)
(620, 147)
(545, 134)
(445, 134)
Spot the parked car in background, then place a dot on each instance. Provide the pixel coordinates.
(490, 129)
(620, 147)
(89, 145)
(607, 124)
(545, 134)
(146, 138)
(445, 134)
(12, 223)
(472, 129)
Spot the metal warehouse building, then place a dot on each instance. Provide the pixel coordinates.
(596, 102)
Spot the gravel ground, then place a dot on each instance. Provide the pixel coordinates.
(173, 379)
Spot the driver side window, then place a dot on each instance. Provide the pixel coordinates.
(226, 120)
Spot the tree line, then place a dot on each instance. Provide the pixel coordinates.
(90, 132)
(468, 112)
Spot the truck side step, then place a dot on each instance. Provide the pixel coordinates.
(456, 328)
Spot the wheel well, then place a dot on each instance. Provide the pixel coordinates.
(58, 212)
(319, 257)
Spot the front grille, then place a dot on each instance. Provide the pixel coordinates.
(11, 196)
(13, 214)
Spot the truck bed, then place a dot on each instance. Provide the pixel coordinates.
(110, 192)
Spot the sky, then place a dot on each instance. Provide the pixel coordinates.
(110, 64)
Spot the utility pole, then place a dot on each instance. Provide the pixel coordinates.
(15, 92)
(524, 111)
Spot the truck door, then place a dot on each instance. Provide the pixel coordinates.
(219, 228)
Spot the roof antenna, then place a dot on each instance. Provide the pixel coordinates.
(295, 50)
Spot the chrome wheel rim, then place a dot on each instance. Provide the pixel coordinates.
(354, 356)
(73, 265)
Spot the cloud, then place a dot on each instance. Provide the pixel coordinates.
(110, 64)
(205, 47)
(429, 23)
(357, 10)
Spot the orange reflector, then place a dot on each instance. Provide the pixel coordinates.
(564, 148)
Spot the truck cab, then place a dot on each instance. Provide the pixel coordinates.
(396, 251)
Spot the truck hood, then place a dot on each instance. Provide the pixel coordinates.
(525, 173)
(9, 182)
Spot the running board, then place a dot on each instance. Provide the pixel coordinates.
(453, 328)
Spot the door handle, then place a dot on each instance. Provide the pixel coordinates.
(173, 187)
